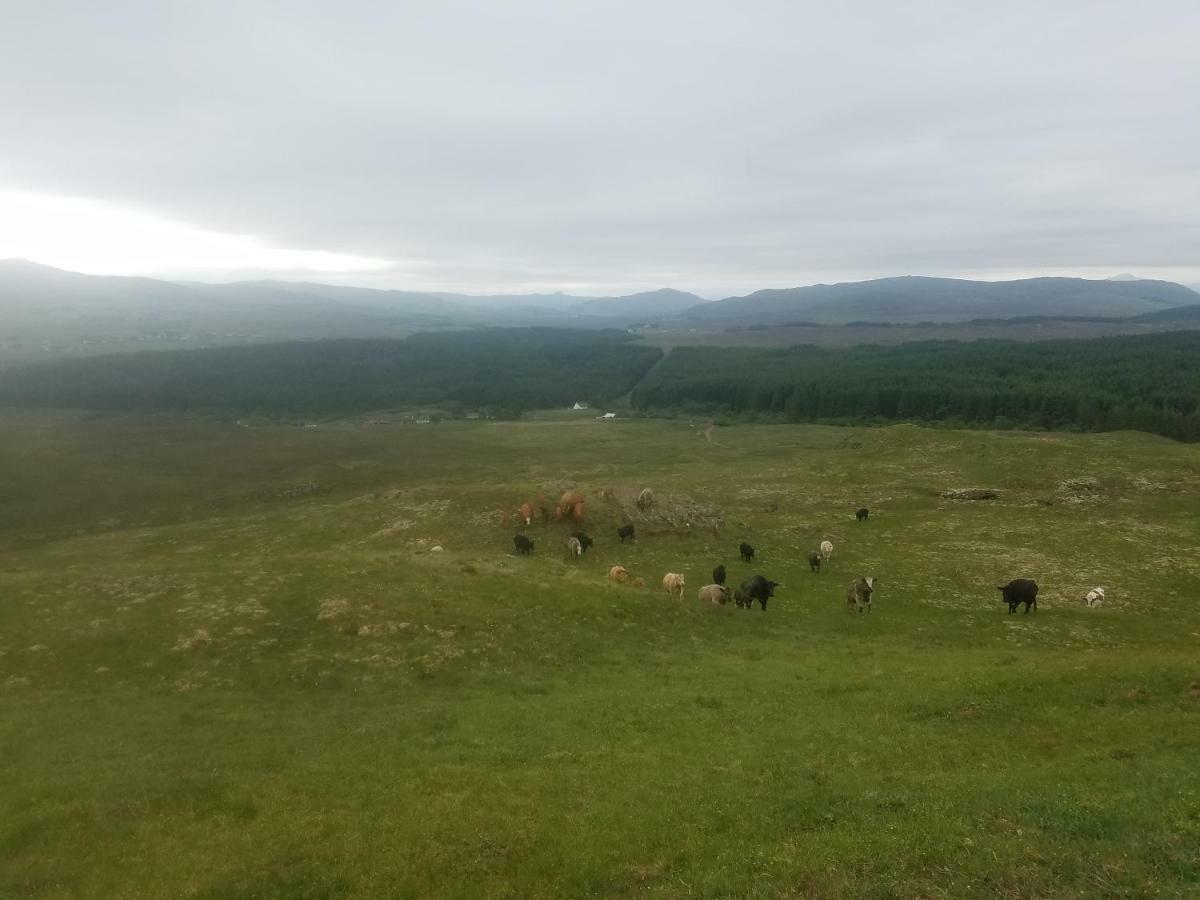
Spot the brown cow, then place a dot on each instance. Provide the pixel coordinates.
(526, 512)
(858, 594)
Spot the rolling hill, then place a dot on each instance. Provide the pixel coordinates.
(913, 298)
(643, 306)
(48, 313)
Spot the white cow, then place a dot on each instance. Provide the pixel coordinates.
(826, 550)
(1094, 598)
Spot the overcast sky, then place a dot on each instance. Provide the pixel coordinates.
(602, 147)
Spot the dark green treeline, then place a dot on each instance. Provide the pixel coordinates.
(501, 370)
(1145, 382)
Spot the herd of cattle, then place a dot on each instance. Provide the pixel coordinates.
(756, 588)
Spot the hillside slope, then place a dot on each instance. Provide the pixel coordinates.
(914, 298)
(232, 666)
(644, 306)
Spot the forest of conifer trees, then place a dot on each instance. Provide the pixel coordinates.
(1147, 383)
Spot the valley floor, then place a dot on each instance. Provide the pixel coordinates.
(232, 665)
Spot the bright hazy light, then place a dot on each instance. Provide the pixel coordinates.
(101, 239)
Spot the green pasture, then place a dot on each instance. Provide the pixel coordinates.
(233, 666)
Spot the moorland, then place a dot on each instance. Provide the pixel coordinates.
(233, 665)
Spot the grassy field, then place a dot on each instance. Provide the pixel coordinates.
(231, 665)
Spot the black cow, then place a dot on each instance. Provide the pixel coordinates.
(625, 531)
(755, 588)
(584, 540)
(523, 544)
(1018, 591)
(746, 551)
(719, 575)
(861, 514)
(814, 561)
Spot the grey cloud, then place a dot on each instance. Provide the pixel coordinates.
(717, 147)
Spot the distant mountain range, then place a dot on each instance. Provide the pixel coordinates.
(913, 299)
(50, 312)
(26, 286)
(47, 312)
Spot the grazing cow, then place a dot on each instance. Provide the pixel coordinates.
(570, 504)
(719, 574)
(755, 588)
(716, 594)
(645, 499)
(858, 595)
(826, 550)
(573, 547)
(523, 544)
(1094, 598)
(862, 513)
(814, 561)
(618, 574)
(584, 540)
(1018, 591)
(526, 512)
(625, 531)
(746, 551)
(673, 584)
